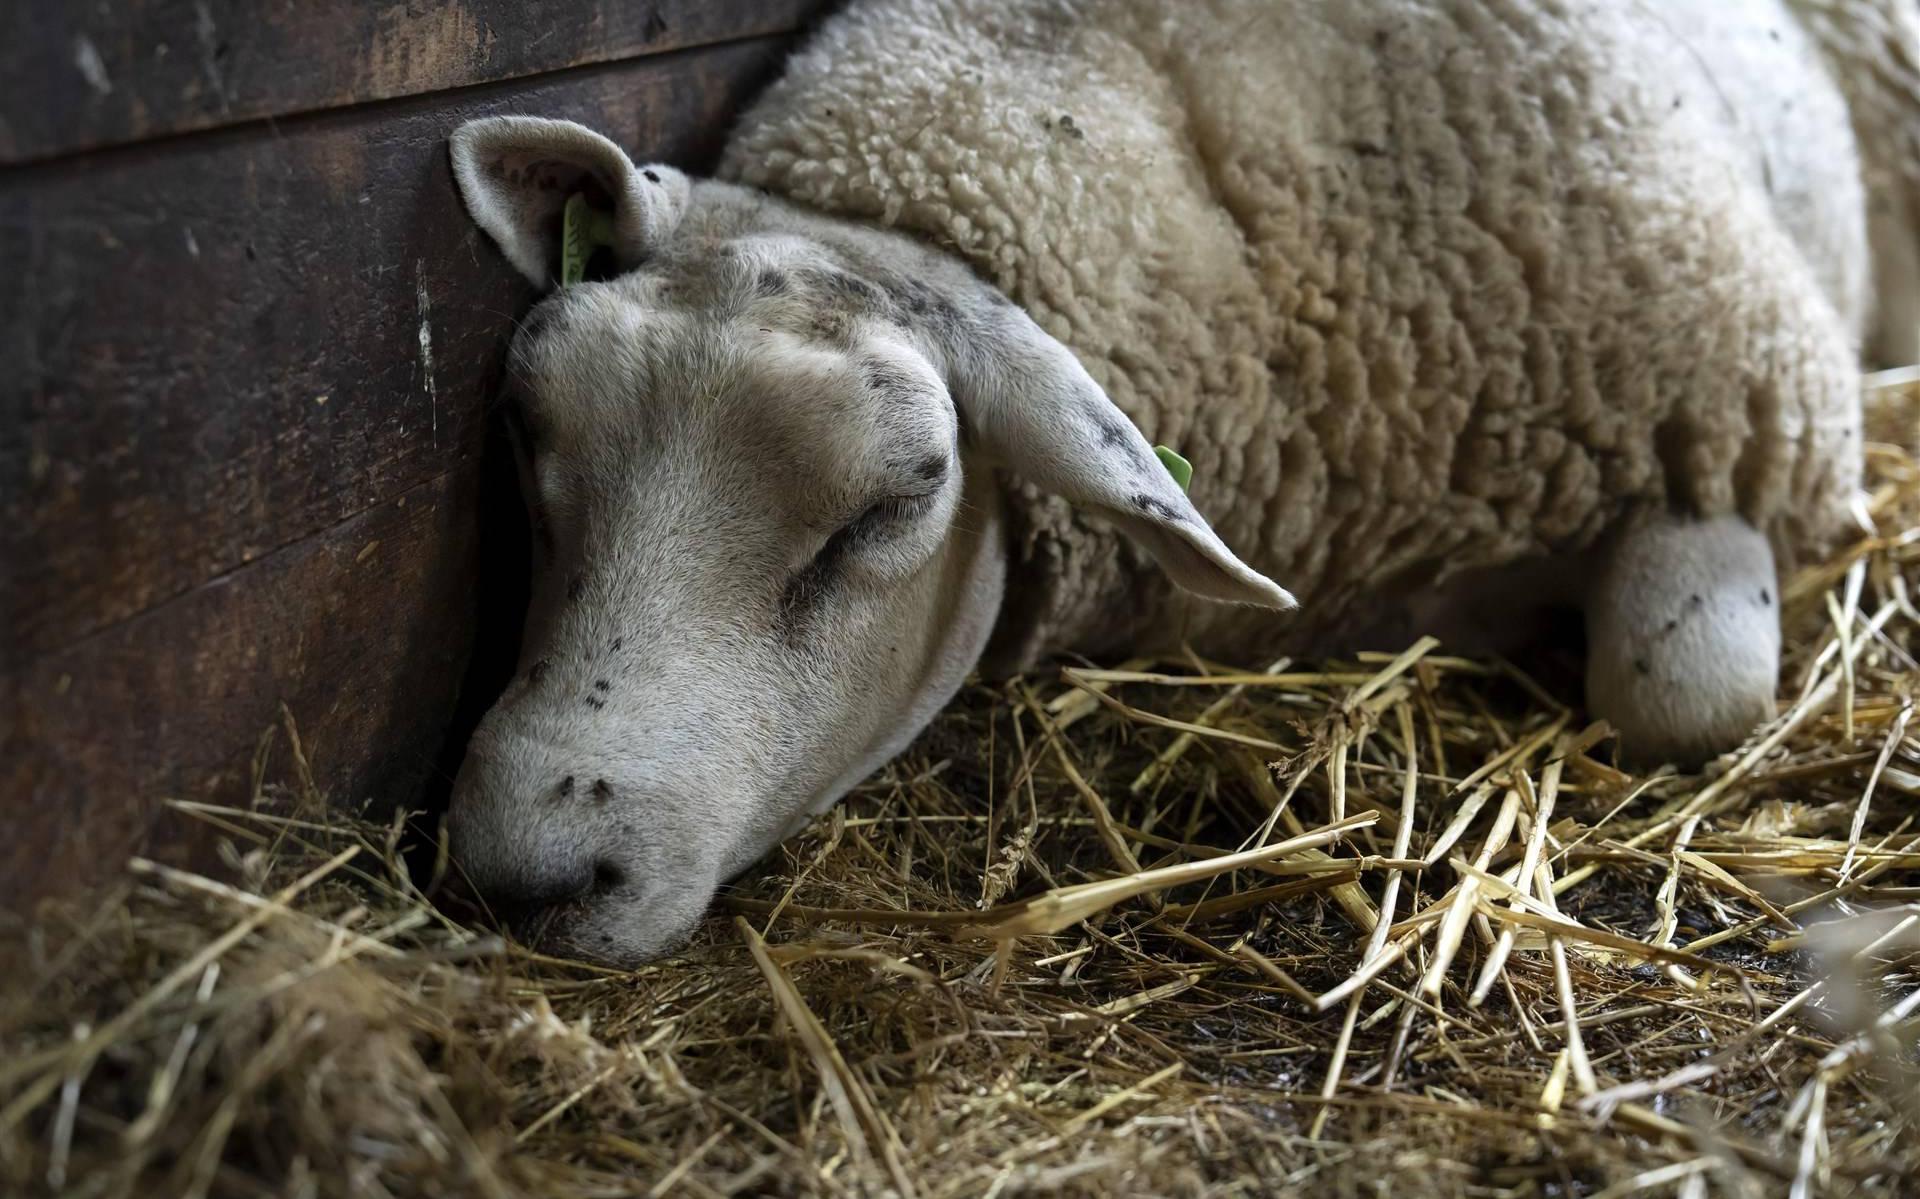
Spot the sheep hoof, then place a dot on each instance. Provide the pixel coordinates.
(1683, 637)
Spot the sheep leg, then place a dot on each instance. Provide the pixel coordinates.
(1683, 637)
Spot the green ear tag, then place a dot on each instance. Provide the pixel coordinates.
(582, 228)
(1178, 467)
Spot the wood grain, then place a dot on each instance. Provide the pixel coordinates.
(75, 76)
(244, 453)
(363, 632)
(221, 346)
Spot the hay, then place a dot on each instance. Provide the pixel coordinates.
(1389, 925)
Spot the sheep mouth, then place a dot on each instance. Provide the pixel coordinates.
(564, 928)
(601, 929)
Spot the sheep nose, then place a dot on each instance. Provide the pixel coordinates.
(520, 899)
(520, 895)
(522, 867)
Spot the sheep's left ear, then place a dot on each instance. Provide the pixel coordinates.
(516, 174)
(1033, 408)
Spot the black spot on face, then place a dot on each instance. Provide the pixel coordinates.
(617, 643)
(771, 282)
(651, 176)
(576, 587)
(602, 791)
(1642, 665)
(1766, 598)
(1671, 626)
(1156, 507)
(828, 324)
(601, 685)
(923, 303)
(595, 702)
(848, 291)
(893, 382)
(1696, 599)
(566, 787)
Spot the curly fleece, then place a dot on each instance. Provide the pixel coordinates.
(1419, 288)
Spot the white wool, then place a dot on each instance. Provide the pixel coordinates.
(1461, 309)
(1420, 288)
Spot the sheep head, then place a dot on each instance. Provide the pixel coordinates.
(761, 460)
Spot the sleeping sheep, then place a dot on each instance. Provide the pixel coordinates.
(1460, 309)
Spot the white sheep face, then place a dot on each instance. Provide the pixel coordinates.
(761, 464)
(762, 572)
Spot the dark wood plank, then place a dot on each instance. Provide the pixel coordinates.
(218, 346)
(77, 75)
(362, 631)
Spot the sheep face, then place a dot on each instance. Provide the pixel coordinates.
(761, 568)
(761, 461)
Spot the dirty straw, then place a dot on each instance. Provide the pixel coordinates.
(1392, 924)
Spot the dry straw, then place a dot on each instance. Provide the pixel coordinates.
(1392, 925)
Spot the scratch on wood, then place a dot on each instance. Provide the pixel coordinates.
(86, 56)
(211, 51)
(425, 306)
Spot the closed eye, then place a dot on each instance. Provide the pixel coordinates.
(873, 523)
(881, 513)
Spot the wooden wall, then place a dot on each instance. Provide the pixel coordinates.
(249, 341)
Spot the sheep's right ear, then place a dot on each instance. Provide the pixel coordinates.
(516, 173)
(1031, 406)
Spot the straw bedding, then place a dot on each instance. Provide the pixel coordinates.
(1387, 925)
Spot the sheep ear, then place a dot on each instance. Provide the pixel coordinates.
(516, 173)
(1033, 408)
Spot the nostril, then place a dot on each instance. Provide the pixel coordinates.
(608, 876)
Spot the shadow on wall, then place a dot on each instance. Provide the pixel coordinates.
(502, 588)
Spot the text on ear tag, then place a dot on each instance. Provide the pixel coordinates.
(582, 229)
(1178, 467)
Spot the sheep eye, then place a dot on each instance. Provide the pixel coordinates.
(884, 511)
(873, 521)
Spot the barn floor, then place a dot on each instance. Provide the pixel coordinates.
(1702, 985)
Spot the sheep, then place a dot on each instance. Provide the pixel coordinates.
(1460, 310)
